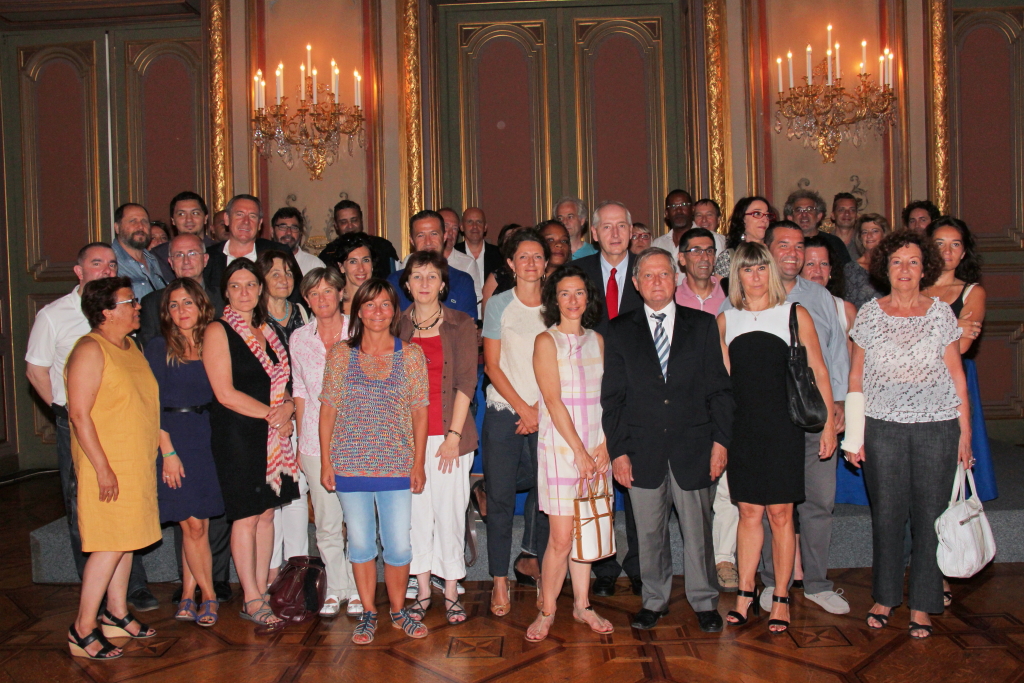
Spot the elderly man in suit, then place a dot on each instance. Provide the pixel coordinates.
(668, 412)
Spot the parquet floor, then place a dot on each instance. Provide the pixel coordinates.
(980, 639)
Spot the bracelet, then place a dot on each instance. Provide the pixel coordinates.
(452, 431)
(170, 453)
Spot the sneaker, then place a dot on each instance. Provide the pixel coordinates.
(766, 598)
(142, 600)
(728, 577)
(355, 605)
(437, 583)
(830, 601)
(413, 589)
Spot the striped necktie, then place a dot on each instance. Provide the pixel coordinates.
(661, 343)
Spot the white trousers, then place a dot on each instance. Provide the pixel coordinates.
(439, 517)
(291, 527)
(330, 538)
(723, 529)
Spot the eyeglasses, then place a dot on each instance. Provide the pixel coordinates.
(133, 301)
(285, 226)
(806, 209)
(178, 255)
(643, 236)
(698, 252)
(679, 205)
(760, 214)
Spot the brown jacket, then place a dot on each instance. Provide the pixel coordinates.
(458, 343)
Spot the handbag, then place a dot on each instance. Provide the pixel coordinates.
(593, 521)
(966, 544)
(807, 409)
(299, 591)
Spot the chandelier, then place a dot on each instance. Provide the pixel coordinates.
(314, 131)
(822, 112)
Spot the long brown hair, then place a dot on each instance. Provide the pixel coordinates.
(177, 345)
(368, 291)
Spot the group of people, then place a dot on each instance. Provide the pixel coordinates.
(215, 386)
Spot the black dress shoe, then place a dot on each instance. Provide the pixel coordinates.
(636, 584)
(176, 595)
(223, 591)
(647, 619)
(604, 586)
(142, 600)
(710, 621)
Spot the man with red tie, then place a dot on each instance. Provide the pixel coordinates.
(611, 270)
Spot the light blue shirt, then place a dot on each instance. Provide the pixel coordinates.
(831, 333)
(586, 250)
(144, 280)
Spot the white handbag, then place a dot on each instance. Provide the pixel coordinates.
(966, 544)
(593, 526)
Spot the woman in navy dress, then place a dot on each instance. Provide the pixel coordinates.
(188, 490)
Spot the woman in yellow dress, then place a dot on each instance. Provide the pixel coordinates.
(114, 406)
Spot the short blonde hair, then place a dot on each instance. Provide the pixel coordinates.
(754, 254)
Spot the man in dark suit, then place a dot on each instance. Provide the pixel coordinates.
(609, 270)
(474, 230)
(668, 410)
(348, 217)
(245, 220)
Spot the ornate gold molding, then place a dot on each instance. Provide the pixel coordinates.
(716, 83)
(412, 119)
(220, 161)
(939, 172)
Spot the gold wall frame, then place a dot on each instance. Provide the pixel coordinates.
(411, 113)
(717, 83)
(939, 13)
(220, 131)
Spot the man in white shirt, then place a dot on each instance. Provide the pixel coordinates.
(56, 330)
(289, 229)
(708, 215)
(678, 218)
(458, 259)
(474, 230)
(245, 220)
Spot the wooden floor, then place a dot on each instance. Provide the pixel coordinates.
(981, 638)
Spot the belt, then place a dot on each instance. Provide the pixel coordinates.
(189, 409)
(59, 410)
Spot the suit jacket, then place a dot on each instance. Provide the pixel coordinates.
(219, 261)
(461, 292)
(629, 300)
(149, 316)
(659, 423)
(492, 257)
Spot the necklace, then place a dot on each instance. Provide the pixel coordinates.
(287, 313)
(424, 328)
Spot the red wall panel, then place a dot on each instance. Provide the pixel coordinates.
(62, 140)
(168, 132)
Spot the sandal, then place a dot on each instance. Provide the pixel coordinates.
(418, 610)
(365, 629)
(332, 605)
(261, 617)
(186, 610)
(882, 619)
(540, 617)
(453, 609)
(117, 628)
(77, 645)
(403, 620)
(914, 626)
(588, 608)
(779, 622)
(737, 619)
(499, 609)
(947, 598)
(207, 613)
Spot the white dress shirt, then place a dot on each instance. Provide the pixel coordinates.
(620, 275)
(307, 262)
(668, 323)
(252, 256)
(58, 326)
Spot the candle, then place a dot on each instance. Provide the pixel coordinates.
(828, 63)
(789, 56)
(263, 94)
(334, 84)
(778, 62)
(839, 63)
(309, 58)
(829, 34)
(359, 95)
(891, 81)
(863, 54)
(302, 82)
(280, 82)
(256, 92)
(809, 72)
(314, 86)
(881, 70)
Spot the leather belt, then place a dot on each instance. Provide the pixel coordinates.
(189, 409)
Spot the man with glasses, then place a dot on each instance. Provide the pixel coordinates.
(188, 216)
(678, 218)
(806, 208)
(699, 288)
(844, 218)
(134, 261)
(572, 213)
(288, 228)
(640, 238)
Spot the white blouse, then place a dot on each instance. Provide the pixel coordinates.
(905, 377)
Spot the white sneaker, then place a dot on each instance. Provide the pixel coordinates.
(830, 601)
(413, 589)
(332, 605)
(355, 605)
(766, 598)
(437, 583)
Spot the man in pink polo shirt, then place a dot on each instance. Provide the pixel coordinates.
(698, 287)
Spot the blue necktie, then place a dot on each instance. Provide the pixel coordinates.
(661, 343)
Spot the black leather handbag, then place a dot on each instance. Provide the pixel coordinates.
(807, 409)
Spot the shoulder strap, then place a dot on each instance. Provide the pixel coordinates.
(794, 328)
(966, 292)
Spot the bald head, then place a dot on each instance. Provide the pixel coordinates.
(187, 256)
(474, 225)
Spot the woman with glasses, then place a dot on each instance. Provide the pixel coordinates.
(108, 378)
(748, 223)
(640, 238)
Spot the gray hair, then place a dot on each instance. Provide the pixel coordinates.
(251, 198)
(596, 218)
(648, 253)
(819, 203)
(581, 207)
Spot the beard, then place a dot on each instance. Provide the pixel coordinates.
(138, 240)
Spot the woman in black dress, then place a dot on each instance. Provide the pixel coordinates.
(187, 487)
(251, 419)
(766, 456)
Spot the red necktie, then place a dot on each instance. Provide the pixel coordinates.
(611, 297)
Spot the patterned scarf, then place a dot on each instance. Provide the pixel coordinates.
(280, 458)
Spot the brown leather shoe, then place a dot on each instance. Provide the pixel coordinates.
(728, 577)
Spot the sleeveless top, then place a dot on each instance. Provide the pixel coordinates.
(773, 320)
(958, 305)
